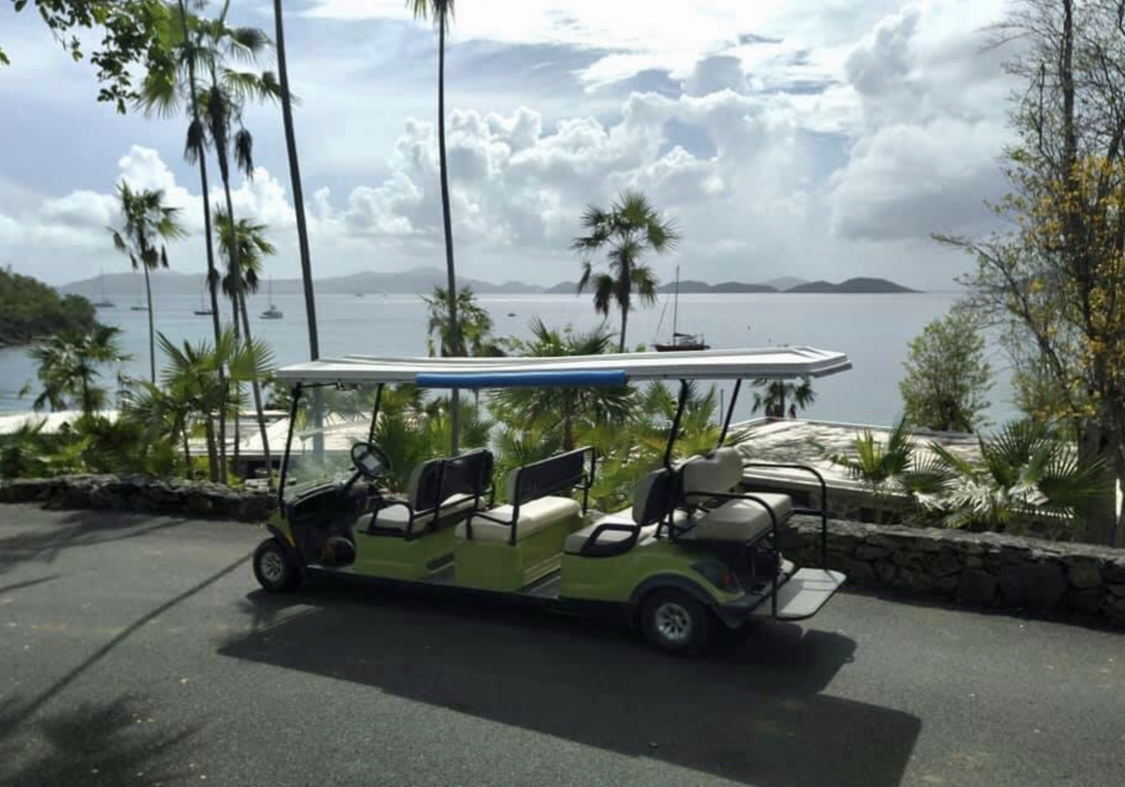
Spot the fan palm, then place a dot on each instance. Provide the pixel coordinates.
(244, 246)
(884, 466)
(441, 11)
(626, 231)
(68, 368)
(147, 224)
(772, 396)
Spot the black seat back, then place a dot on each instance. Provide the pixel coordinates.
(560, 473)
(469, 474)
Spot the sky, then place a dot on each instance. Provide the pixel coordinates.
(821, 140)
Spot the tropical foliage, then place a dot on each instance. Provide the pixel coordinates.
(624, 232)
(474, 329)
(782, 398)
(69, 369)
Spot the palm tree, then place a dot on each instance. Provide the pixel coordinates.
(1026, 471)
(192, 376)
(441, 11)
(68, 368)
(148, 222)
(627, 230)
(565, 412)
(246, 243)
(885, 467)
(295, 180)
(773, 395)
(476, 326)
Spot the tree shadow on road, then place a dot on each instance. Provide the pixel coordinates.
(43, 544)
(752, 711)
(91, 745)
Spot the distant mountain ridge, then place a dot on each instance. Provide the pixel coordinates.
(424, 279)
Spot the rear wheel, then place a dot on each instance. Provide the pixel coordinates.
(675, 622)
(273, 569)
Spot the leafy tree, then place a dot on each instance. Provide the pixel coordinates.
(148, 223)
(31, 310)
(244, 247)
(133, 35)
(68, 368)
(475, 331)
(566, 412)
(1054, 279)
(441, 11)
(947, 376)
(772, 397)
(625, 232)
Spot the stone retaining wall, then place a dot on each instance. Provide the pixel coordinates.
(140, 493)
(974, 569)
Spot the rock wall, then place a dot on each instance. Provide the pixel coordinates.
(140, 493)
(974, 569)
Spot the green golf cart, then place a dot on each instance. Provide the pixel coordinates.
(698, 548)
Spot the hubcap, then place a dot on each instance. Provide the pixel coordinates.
(273, 567)
(673, 622)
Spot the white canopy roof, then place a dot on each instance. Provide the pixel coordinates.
(573, 370)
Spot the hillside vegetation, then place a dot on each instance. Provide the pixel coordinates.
(31, 310)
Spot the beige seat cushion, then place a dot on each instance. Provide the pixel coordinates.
(535, 515)
(718, 473)
(395, 517)
(742, 520)
(575, 541)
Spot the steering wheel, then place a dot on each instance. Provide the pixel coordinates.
(370, 460)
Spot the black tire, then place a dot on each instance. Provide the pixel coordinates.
(675, 623)
(273, 569)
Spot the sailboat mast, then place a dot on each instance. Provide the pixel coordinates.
(675, 304)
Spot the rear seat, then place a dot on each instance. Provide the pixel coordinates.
(717, 476)
(651, 502)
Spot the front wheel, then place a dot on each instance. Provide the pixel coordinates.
(273, 569)
(675, 622)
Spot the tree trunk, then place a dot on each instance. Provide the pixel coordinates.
(447, 224)
(299, 208)
(237, 386)
(624, 324)
(187, 452)
(204, 186)
(1098, 523)
(257, 389)
(213, 465)
(151, 330)
(295, 180)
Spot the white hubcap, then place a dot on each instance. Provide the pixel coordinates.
(273, 567)
(673, 622)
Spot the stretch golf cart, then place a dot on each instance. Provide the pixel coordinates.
(695, 548)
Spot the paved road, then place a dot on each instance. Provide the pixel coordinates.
(138, 650)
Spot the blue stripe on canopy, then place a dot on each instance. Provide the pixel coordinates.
(548, 379)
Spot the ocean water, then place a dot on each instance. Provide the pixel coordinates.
(872, 329)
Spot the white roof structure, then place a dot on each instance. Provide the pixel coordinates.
(572, 370)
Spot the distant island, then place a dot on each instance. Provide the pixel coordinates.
(424, 279)
(30, 310)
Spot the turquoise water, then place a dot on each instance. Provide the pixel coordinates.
(872, 329)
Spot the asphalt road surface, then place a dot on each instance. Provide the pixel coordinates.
(138, 650)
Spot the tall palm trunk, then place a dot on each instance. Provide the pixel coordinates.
(212, 272)
(257, 389)
(151, 330)
(299, 208)
(295, 179)
(624, 324)
(237, 387)
(447, 222)
(213, 464)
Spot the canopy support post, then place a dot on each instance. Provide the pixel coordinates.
(296, 397)
(674, 432)
(730, 413)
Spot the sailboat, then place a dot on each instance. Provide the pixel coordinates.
(204, 310)
(103, 302)
(681, 342)
(272, 313)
